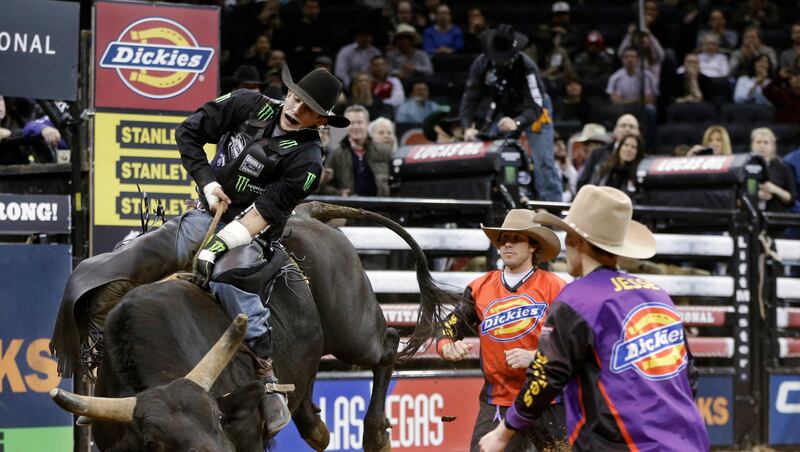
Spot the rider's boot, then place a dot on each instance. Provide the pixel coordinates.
(274, 406)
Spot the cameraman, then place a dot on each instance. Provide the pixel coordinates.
(510, 80)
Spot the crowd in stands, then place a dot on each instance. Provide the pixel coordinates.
(729, 67)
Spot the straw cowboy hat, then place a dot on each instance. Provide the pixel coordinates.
(521, 220)
(593, 132)
(320, 90)
(602, 217)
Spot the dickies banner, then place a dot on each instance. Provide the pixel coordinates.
(130, 150)
(39, 49)
(155, 56)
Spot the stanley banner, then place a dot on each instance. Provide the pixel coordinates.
(131, 150)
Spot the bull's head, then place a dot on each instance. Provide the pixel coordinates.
(181, 415)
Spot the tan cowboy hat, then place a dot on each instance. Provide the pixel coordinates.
(593, 132)
(602, 216)
(521, 220)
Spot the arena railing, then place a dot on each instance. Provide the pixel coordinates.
(715, 305)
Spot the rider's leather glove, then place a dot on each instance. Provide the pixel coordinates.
(208, 255)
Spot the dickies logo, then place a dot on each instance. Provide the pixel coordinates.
(251, 166)
(651, 343)
(510, 318)
(157, 58)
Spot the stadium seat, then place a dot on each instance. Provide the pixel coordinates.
(702, 113)
(740, 135)
(721, 90)
(786, 136)
(458, 63)
(778, 38)
(746, 113)
(671, 135)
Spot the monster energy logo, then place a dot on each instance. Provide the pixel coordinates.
(222, 98)
(265, 112)
(309, 180)
(241, 183)
(287, 143)
(217, 247)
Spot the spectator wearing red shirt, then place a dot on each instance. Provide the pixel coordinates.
(785, 97)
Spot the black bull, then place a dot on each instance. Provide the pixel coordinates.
(351, 320)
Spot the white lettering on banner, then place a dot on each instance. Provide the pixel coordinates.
(782, 403)
(19, 43)
(29, 211)
(414, 421)
(446, 151)
(346, 427)
(692, 164)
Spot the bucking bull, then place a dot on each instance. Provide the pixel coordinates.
(159, 387)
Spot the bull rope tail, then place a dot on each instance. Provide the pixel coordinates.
(221, 208)
(434, 304)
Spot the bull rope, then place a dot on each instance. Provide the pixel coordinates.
(221, 208)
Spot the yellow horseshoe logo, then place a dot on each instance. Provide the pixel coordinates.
(167, 34)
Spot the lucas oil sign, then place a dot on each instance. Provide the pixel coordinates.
(133, 150)
(423, 413)
(155, 57)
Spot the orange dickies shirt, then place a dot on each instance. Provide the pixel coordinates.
(505, 318)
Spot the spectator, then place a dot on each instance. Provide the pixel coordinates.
(655, 24)
(756, 13)
(430, 13)
(789, 56)
(418, 107)
(569, 175)
(690, 85)
(595, 62)
(324, 62)
(381, 131)
(793, 160)
(749, 87)
(653, 52)
(358, 166)
(404, 13)
(305, 38)
(712, 62)
(715, 139)
(355, 57)
(552, 59)
(476, 24)
(566, 34)
(258, 55)
(43, 127)
(247, 77)
(274, 88)
(727, 39)
(624, 86)
(592, 137)
(627, 124)
(385, 87)
(440, 127)
(751, 47)
(6, 129)
(361, 94)
(573, 106)
(778, 193)
(277, 58)
(511, 81)
(619, 169)
(785, 97)
(406, 60)
(443, 36)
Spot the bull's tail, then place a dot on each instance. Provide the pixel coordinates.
(433, 300)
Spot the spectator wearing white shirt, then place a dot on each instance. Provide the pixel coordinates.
(654, 53)
(748, 87)
(624, 86)
(750, 48)
(712, 62)
(356, 57)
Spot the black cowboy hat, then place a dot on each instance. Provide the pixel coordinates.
(320, 90)
(502, 43)
(248, 74)
(441, 118)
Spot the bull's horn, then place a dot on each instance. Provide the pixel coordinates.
(100, 408)
(205, 373)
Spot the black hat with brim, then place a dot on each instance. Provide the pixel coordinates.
(501, 44)
(248, 74)
(439, 118)
(320, 90)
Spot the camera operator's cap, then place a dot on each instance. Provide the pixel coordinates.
(603, 217)
(522, 221)
(560, 7)
(320, 90)
(502, 43)
(593, 132)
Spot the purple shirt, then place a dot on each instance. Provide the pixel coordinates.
(615, 343)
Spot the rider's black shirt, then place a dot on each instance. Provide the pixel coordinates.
(256, 162)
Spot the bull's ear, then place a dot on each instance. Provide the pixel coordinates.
(240, 403)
